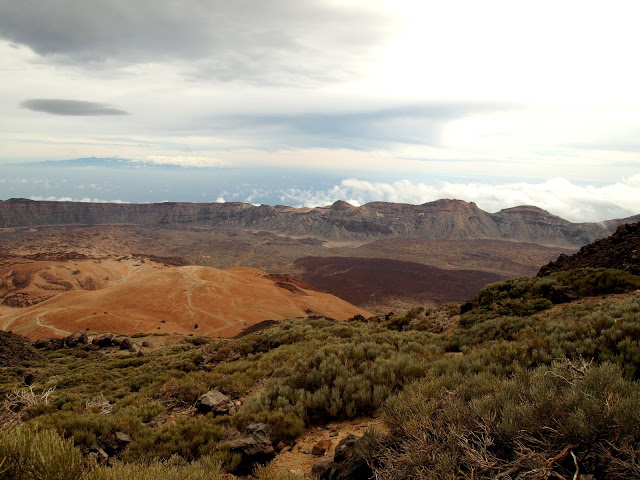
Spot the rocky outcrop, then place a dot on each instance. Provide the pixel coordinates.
(442, 219)
(620, 251)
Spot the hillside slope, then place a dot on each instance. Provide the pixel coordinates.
(620, 251)
(192, 299)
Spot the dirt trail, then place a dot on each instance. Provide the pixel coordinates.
(199, 283)
(38, 321)
(300, 460)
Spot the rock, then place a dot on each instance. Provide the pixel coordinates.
(128, 344)
(122, 437)
(322, 468)
(146, 343)
(97, 454)
(102, 456)
(49, 343)
(103, 340)
(214, 401)
(347, 464)
(344, 447)
(280, 446)
(321, 447)
(254, 448)
(76, 338)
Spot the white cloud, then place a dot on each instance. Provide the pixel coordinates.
(220, 200)
(69, 199)
(573, 202)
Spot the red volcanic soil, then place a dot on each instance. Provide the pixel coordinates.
(182, 300)
(368, 281)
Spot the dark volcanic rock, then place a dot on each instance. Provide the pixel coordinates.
(103, 340)
(49, 343)
(255, 448)
(357, 280)
(15, 349)
(76, 338)
(620, 251)
(347, 464)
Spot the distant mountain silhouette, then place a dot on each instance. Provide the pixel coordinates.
(442, 219)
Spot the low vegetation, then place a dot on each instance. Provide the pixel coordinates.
(522, 385)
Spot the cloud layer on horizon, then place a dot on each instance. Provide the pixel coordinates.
(558, 196)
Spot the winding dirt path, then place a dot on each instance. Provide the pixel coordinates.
(199, 283)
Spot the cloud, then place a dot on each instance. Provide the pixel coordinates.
(281, 41)
(559, 196)
(69, 199)
(358, 129)
(77, 108)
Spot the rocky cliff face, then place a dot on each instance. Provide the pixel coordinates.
(621, 251)
(442, 219)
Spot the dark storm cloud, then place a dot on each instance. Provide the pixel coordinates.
(70, 107)
(240, 39)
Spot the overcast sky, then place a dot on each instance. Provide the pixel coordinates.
(442, 95)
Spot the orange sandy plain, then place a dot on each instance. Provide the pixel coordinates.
(130, 296)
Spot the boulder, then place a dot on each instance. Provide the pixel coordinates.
(76, 338)
(128, 344)
(214, 401)
(103, 340)
(347, 464)
(49, 343)
(254, 448)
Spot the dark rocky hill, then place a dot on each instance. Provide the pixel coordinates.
(442, 219)
(620, 250)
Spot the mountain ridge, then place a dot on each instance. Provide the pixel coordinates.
(441, 219)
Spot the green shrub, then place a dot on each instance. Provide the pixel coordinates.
(189, 437)
(485, 426)
(172, 469)
(29, 453)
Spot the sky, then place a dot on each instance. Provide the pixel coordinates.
(280, 101)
